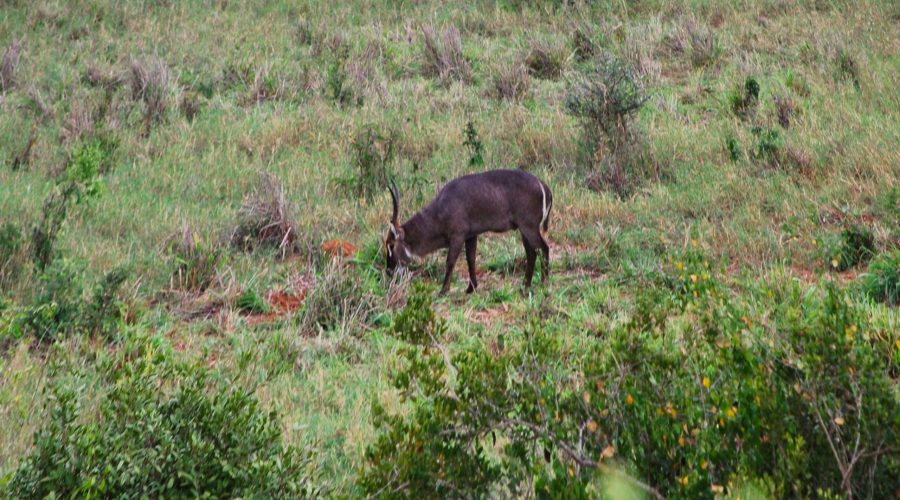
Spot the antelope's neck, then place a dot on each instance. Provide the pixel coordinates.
(421, 236)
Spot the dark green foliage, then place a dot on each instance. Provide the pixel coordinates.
(734, 148)
(10, 249)
(474, 145)
(162, 431)
(745, 100)
(79, 183)
(60, 307)
(769, 145)
(417, 324)
(251, 303)
(104, 313)
(719, 400)
(855, 246)
(372, 154)
(882, 281)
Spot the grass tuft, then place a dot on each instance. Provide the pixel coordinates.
(265, 220)
(9, 65)
(442, 55)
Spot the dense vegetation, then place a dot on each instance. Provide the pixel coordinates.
(192, 206)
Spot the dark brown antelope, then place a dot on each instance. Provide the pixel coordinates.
(495, 201)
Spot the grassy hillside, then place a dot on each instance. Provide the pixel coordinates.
(176, 177)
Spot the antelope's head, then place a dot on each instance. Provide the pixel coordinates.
(396, 248)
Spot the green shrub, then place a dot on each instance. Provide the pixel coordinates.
(769, 145)
(372, 154)
(855, 246)
(81, 182)
(701, 391)
(161, 431)
(745, 100)
(60, 307)
(474, 145)
(733, 145)
(605, 101)
(882, 280)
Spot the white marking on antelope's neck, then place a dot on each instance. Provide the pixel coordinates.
(545, 210)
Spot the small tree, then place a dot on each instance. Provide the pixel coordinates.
(605, 100)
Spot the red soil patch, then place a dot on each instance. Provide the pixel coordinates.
(338, 248)
(282, 304)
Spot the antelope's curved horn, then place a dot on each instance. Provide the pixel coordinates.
(395, 199)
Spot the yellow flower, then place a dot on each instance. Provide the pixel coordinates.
(592, 426)
(706, 382)
(731, 412)
(693, 278)
(681, 441)
(679, 265)
(629, 400)
(683, 481)
(703, 464)
(834, 262)
(571, 472)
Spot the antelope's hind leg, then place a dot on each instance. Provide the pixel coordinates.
(471, 247)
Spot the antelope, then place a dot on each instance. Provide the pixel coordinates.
(495, 201)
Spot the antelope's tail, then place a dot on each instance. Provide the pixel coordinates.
(546, 206)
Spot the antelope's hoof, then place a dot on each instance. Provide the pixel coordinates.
(471, 288)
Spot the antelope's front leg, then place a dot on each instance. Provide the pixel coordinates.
(452, 255)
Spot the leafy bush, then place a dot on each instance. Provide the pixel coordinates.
(745, 100)
(699, 392)
(733, 145)
(882, 280)
(769, 145)
(605, 101)
(79, 183)
(372, 153)
(162, 430)
(474, 145)
(856, 245)
(60, 307)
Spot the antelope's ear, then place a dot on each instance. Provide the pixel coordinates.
(397, 231)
